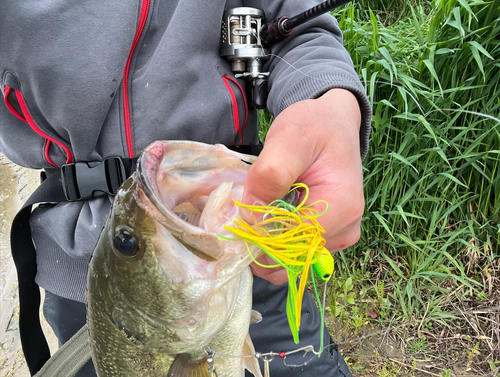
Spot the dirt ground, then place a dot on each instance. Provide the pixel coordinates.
(16, 184)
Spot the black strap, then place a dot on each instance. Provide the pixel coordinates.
(52, 190)
(77, 181)
(35, 347)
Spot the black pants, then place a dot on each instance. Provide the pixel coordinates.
(66, 317)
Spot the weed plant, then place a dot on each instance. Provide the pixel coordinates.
(432, 181)
(432, 176)
(387, 11)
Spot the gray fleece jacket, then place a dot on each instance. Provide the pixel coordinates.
(83, 80)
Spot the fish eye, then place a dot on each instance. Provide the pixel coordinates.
(125, 242)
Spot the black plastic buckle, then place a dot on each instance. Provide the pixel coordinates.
(88, 180)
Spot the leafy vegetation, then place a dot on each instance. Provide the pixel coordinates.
(432, 175)
(429, 250)
(432, 180)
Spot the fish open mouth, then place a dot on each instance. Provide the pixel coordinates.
(193, 185)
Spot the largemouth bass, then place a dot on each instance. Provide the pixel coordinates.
(162, 287)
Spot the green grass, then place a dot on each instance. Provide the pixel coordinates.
(432, 181)
(388, 11)
(432, 175)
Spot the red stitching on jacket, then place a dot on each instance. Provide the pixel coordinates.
(34, 127)
(246, 107)
(235, 105)
(9, 105)
(46, 154)
(126, 106)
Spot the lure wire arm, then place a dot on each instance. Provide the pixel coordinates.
(267, 357)
(210, 361)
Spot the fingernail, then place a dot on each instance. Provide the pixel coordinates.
(248, 215)
(251, 200)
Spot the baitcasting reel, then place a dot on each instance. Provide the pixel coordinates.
(242, 46)
(245, 37)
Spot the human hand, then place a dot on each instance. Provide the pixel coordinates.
(315, 142)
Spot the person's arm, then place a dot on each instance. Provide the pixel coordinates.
(310, 62)
(321, 130)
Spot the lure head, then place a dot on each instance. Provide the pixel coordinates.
(324, 266)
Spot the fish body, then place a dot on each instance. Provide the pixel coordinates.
(162, 286)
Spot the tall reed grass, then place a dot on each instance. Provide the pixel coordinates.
(432, 180)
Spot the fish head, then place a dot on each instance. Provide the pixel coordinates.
(164, 276)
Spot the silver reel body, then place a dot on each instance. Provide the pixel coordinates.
(241, 42)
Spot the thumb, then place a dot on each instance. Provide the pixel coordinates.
(276, 170)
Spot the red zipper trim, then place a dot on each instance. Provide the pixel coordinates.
(126, 106)
(34, 127)
(9, 106)
(245, 103)
(235, 105)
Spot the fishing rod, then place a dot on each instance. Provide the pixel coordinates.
(246, 37)
(280, 28)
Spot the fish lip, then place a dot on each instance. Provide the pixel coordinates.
(149, 187)
(146, 185)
